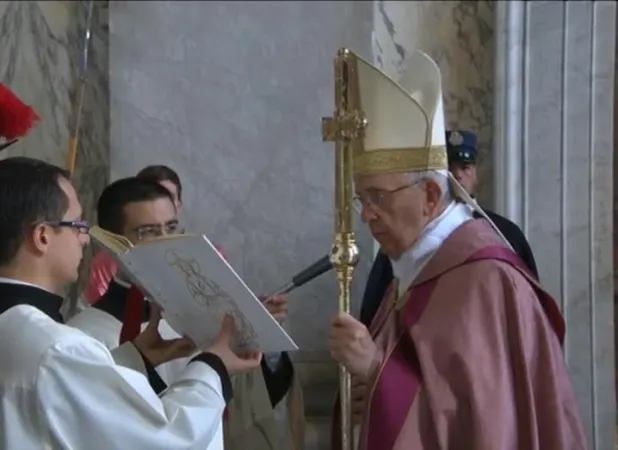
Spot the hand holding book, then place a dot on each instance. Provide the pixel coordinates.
(234, 361)
(158, 350)
(196, 288)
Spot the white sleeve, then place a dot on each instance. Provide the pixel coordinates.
(86, 400)
(128, 355)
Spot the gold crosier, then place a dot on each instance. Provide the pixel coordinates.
(346, 129)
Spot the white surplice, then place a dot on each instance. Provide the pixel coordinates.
(106, 329)
(62, 389)
(252, 416)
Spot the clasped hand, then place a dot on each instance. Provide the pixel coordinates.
(352, 345)
(158, 350)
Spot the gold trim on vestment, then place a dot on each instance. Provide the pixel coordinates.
(391, 160)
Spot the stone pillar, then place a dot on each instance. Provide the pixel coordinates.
(553, 151)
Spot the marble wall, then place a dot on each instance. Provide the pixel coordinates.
(41, 42)
(458, 35)
(553, 161)
(231, 95)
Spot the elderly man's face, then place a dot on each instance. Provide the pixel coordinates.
(396, 208)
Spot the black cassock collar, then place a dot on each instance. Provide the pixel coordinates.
(113, 302)
(13, 294)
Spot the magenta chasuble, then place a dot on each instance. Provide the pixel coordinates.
(470, 357)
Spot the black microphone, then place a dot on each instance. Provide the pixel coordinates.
(316, 269)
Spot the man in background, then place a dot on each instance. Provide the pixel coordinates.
(462, 152)
(167, 178)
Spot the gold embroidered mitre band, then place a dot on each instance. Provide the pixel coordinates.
(392, 160)
(404, 129)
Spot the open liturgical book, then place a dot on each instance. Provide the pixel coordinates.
(196, 287)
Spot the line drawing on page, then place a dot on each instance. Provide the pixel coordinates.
(206, 293)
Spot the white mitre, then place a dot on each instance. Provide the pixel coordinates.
(405, 129)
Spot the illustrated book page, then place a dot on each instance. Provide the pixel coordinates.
(196, 287)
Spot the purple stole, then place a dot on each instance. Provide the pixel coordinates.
(400, 375)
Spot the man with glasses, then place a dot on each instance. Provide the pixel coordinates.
(461, 150)
(142, 209)
(465, 350)
(61, 388)
(103, 267)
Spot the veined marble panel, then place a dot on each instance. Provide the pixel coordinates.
(231, 95)
(554, 129)
(41, 42)
(458, 35)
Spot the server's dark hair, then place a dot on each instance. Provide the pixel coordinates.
(161, 173)
(30, 193)
(113, 199)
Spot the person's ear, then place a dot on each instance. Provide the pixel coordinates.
(39, 238)
(433, 194)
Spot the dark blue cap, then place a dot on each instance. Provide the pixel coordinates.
(461, 147)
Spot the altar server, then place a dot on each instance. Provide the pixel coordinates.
(62, 389)
(103, 268)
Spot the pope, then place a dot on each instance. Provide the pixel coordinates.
(465, 350)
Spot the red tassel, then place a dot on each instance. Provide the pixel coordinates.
(133, 312)
(16, 118)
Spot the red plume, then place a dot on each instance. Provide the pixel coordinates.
(16, 118)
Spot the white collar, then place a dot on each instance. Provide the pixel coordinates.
(407, 268)
(21, 283)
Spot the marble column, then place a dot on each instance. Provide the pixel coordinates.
(41, 42)
(553, 152)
